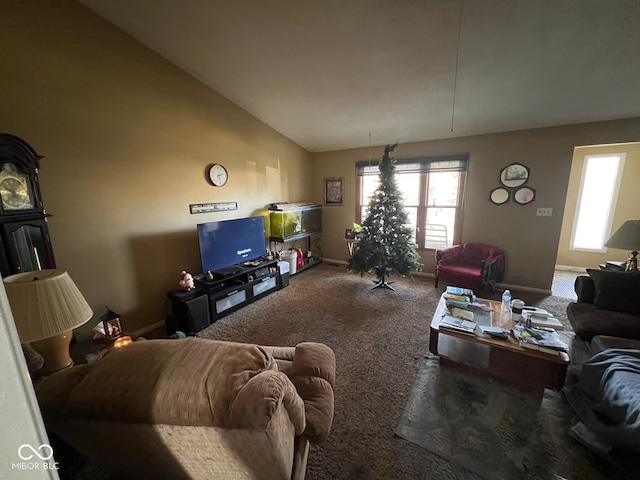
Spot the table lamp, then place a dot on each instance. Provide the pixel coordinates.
(46, 307)
(627, 238)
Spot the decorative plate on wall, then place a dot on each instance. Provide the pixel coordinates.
(500, 195)
(524, 195)
(514, 175)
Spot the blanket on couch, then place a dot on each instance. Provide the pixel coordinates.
(605, 394)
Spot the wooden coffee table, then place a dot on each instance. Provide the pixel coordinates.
(501, 359)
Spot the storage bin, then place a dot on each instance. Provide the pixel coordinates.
(292, 258)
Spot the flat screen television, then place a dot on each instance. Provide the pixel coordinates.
(230, 242)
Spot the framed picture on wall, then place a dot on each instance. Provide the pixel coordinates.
(333, 191)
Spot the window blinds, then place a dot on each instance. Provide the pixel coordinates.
(449, 163)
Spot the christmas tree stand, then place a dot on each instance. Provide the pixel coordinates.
(383, 284)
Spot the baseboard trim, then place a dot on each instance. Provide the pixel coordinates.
(148, 328)
(571, 268)
(336, 263)
(522, 288)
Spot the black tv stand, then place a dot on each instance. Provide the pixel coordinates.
(212, 299)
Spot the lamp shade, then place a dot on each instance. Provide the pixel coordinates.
(45, 303)
(627, 237)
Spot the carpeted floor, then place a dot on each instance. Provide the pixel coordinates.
(380, 338)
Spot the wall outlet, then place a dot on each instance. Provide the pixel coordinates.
(544, 212)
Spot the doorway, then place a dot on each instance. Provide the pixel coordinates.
(572, 258)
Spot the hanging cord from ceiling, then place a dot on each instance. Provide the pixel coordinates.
(455, 78)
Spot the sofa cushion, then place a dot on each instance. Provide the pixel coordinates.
(600, 343)
(475, 253)
(460, 275)
(617, 291)
(588, 321)
(206, 373)
(451, 254)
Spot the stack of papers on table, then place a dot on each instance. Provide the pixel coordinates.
(542, 318)
(542, 340)
(464, 326)
(458, 297)
(467, 292)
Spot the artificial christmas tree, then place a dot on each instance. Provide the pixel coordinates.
(384, 244)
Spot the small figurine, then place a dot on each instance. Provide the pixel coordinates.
(186, 281)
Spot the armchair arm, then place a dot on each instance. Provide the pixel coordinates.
(585, 289)
(255, 404)
(500, 266)
(313, 373)
(449, 254)
(488, 271)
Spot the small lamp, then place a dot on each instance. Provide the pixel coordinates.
(46, 307)
(111, 324)
(627, 238)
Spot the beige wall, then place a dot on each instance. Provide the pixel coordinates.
(531, 242)
(127, 137)
(626, 205)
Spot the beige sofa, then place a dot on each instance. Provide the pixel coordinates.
(195, 408)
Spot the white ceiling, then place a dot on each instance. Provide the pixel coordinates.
(327, 73)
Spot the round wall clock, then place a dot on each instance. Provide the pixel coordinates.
(218, 175)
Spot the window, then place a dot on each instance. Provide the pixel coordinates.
(601, 175)
(432, 189)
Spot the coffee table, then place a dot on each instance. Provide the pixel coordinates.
(501, 359)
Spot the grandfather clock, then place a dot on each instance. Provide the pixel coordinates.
(24, 235)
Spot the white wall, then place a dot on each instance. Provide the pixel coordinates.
(19, 412)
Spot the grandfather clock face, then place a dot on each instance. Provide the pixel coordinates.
(15, 188)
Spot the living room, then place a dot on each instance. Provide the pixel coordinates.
(126, 138)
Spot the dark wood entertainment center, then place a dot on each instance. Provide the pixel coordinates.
(193, 310)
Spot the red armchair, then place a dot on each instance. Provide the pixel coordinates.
(472, 265)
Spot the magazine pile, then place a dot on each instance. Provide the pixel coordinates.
(544, 340)
(458, 324)
(458, 297)
(540, 318)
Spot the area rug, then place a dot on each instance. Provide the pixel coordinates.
(494, 430)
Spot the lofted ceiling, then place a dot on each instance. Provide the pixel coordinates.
(328, 73)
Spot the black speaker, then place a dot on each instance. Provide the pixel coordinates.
(189, 312)
(197, 313)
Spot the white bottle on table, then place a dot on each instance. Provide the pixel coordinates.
(506, 302)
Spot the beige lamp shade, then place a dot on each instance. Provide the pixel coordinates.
(45, 303)
(627, 237)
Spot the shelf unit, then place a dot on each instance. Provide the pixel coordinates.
(291, 222)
